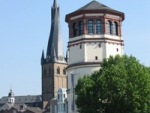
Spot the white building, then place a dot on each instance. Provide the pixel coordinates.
(94, 34)
(58, 104)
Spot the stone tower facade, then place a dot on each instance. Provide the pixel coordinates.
(54, 64)
(94, 34)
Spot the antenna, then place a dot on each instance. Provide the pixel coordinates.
(11, 86)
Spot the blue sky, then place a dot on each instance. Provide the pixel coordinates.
(24, 31)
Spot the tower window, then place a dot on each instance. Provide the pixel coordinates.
(64, 71)
(90, 26)
(117, 49)
(109, 27)
(80, 28)
(80, 46)
(64, 96)
(99, 45)
(58, 70)
(115, 28)
(96, 57)
(58, 96)
(64, 107)
(75, 29)
(98, 27)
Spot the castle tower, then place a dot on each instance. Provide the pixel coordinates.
(94, 34)
(54, 64)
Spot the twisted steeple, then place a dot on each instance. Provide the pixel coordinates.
(55, 48)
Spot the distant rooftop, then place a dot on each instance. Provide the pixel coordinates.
(23, 99)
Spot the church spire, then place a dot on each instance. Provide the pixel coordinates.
(55, 4)
(55, 48)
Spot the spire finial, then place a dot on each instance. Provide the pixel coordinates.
(55, 3)
(11, 87)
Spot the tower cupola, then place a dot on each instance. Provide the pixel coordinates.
(94, 18)
(11, 97)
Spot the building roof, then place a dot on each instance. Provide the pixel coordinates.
(6, 106)
(94, 5)
(34, 109)
(21, 108)
(23, 99)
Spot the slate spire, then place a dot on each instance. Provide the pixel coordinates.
(55, 3)
(55, 48)
(42, 57)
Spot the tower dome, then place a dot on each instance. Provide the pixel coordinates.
(10, 94)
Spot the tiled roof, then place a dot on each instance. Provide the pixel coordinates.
(94, 5)
(35, 110)
(6, 106)
(23, 99)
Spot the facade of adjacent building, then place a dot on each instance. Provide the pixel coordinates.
(94, 34)
(59, 103)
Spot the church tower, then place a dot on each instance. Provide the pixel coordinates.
(54, 64)
(94, 34)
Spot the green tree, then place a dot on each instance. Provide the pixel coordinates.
(122, 85)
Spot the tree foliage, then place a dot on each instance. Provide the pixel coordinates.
(122, 85)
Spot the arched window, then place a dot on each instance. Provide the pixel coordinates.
(80, 28)
(115, 28)
(109, 27)
(90, 26)
(99, 29)
(75, 29)
(64, 71)
(58, 70)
